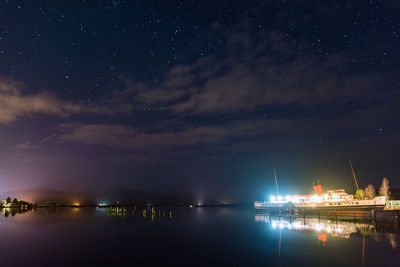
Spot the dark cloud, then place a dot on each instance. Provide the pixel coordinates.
(123, 137)
(26, 146)
(241, 135)
(15, 104)
(256, 72)
(257, 78)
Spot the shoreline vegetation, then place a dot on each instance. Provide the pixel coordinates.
(14, 206)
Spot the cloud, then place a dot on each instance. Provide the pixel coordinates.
(123, 137)
(257, 70)
(126, 138)
(149, 93)
(248, 136)
(179, 76)
(263, 77)
(176, 84)
(15, 104)
(26, 146)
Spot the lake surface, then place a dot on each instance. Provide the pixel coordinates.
(187, 237)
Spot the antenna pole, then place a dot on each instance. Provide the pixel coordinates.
(276, 182)
(354, 175)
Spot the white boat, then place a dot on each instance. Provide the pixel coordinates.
(332, 198)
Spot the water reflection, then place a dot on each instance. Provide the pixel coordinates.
(152, 213)
(331, 228)
(155, 213)
(125, 236)
(14, 211)
(327, 228)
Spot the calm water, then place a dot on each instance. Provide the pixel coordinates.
(200, 236)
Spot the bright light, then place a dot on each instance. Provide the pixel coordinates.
(76, 204)
(295, 199)
(318, 227)
(297, 225)
(316, 198)
(278, 199)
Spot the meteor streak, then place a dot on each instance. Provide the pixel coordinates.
(47, 139)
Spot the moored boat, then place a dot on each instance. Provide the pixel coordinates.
(332, 198)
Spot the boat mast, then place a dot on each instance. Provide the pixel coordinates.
(354, 175)
(276, 182)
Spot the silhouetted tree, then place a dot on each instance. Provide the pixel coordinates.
(8, 200)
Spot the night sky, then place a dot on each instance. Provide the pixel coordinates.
(204, 97)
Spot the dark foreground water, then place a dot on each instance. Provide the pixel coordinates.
(188, 237)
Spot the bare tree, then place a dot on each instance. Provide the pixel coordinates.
(370, 192)
(384, 189)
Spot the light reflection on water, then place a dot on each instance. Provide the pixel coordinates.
(341, 229)
(153, 213)
(117, 211)
(125, 236)
(330, 229)
(14, 211)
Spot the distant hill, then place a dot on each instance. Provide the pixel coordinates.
(110, 197)
(40, 195)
